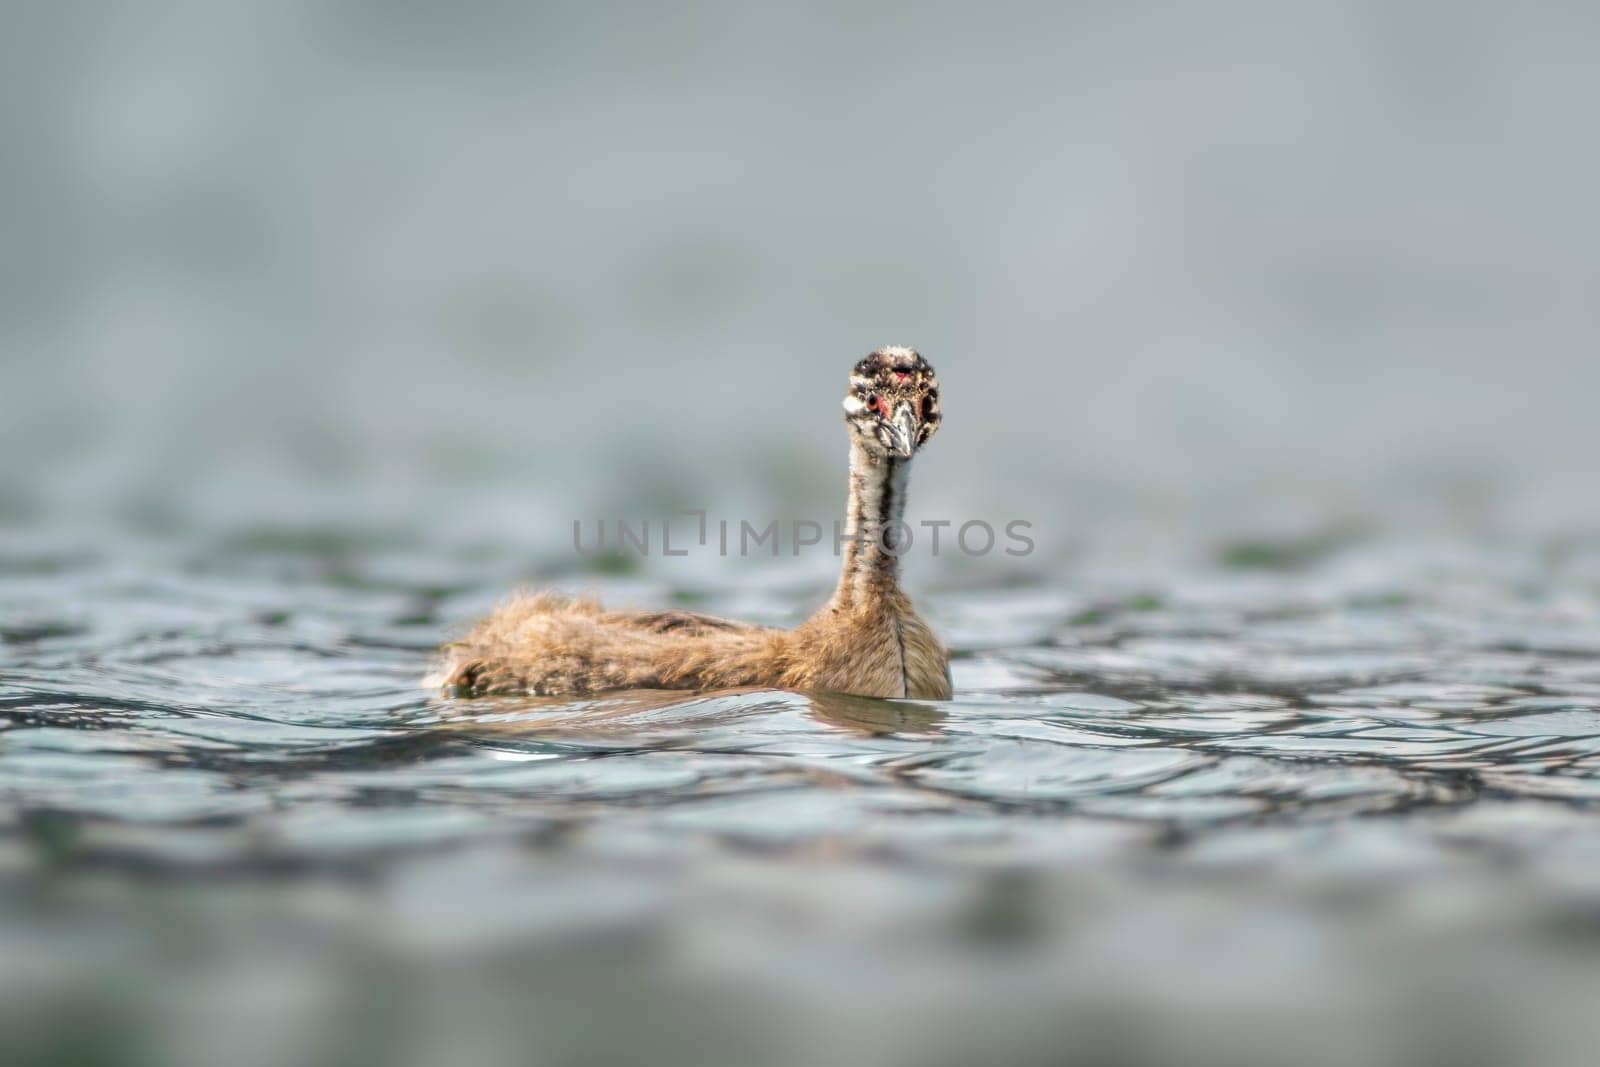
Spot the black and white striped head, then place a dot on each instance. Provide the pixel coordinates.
(893, 404)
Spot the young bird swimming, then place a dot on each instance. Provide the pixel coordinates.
(867, 640)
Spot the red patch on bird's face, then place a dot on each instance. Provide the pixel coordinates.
(902, 375)
(883, 406)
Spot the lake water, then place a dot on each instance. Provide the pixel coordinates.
(1279, 805)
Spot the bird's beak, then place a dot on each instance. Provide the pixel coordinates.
(903, 430)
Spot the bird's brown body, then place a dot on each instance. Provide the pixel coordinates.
(867, 640)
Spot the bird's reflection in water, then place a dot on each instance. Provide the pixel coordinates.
(636, 712)
(875, 716)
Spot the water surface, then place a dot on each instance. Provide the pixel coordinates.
(1339, 807)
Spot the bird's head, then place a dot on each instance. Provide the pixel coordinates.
(892, 407)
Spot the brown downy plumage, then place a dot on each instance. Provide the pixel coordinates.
(867, 640)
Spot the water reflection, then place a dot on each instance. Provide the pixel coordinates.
(636, 712)
(876, 718)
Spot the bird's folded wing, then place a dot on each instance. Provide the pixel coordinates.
(685, 622)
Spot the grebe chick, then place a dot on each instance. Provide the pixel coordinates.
(867, 640)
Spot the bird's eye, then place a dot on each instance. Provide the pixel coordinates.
(872, 401)
(928, 403)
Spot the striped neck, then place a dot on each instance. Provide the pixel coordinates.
(877, 503)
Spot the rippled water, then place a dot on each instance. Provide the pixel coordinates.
(1339, 808)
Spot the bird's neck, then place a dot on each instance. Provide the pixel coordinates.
(874, 523)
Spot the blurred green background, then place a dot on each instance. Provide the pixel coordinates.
(1275, 265)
